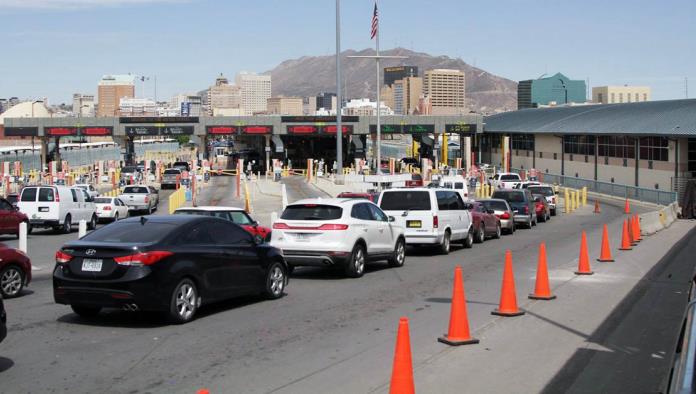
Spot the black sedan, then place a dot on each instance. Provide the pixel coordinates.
(165, 263)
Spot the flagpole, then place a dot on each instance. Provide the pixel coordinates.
(339, 126)
(379, 109)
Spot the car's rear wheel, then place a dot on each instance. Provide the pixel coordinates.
(275, 281)
(399, 256)
(498, 231)
(184, 302)
(356, 265)
(469, 240)
(67, 225)
(116, 217)
(11, 281)
(481, 234)
(86, 311)
(92, 223)
(446, 243)
(553, 212)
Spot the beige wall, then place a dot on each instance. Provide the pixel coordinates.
(109, 97)
(620, 94)
(285, 106)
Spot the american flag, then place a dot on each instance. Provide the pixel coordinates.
(375, 23)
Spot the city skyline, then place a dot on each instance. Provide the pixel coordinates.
(186, 51)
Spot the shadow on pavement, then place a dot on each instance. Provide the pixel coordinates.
(5, 364)
(632, 350)
(333, 273)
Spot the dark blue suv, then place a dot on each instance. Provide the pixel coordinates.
(522, 204)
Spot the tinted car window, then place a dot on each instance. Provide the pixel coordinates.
(225, 233)
(128, 169)
(510, 196)
(198, 235)
(29, 194)
(172, 172)
(47, 194)
(312, 212)
(442, 200)
(361, 212)
(509, 177)
(132, 232)
(543, 190)
(456, 202)
(5, 206)
(240, 217)
(377, 213)
(136, 190)
(495, 205)
(102, 200)
(405, 200)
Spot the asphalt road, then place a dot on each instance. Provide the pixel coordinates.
(328, 334)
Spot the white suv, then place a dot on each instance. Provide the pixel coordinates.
(430, 216)
(338, 232)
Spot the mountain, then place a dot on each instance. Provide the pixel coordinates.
(309, 75)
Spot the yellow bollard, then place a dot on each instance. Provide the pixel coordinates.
(566, 201)
(577, 199)
(584, 196)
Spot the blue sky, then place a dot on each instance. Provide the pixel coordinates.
(53, 48)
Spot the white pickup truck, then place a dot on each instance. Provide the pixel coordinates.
(140, 198)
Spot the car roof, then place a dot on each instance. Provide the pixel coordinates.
(211, 209)
(176, 219)
(328, 201)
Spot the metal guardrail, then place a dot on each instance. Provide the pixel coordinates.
(654, 196)
(682, 380)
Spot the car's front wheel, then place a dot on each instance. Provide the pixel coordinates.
(86, 311)
(469, 240)
(92, 223)
(11, 281)
(481, 234)
(275, 281)
(184, 302)
(399, 256)
(356, 265)
(67, 225)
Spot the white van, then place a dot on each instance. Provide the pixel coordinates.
(457, 183)
(430, 216)
(57, 207)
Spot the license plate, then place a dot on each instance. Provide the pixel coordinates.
(413, 223)
(301, 237)
(92, 265)
(43, 209)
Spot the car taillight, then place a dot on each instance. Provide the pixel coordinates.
(62, 257)
(139, 259)
(526, 209)
(55, 192)
(436, 221)
(333, 226)
(553, 199)
(505, 215)
(147, 199)
(280, 226)
(107, 207)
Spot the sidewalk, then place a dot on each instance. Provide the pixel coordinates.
(618, 337)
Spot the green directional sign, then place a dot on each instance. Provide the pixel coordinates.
(463, 128)
(404, 128)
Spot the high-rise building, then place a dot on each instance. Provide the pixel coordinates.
(285, 106)
(327, 101)
(255, 91)
(83, 105)
(110, 90)
(557, 89)
(309, 105)
(223, 96)
(186, 104)
(405, 95)
(620, 94)
(393, 74)
(446, 89)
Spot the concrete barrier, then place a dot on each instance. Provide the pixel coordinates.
(651, 222)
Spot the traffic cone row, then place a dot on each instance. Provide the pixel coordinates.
(459, 330)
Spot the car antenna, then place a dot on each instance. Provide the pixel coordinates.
(143, 220)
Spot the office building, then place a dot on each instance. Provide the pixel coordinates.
(285, 106)
(137, 107)
(110, 90)
(255, 91)
(222, 95)
(187, 105)
(554, 90)
(393, 74)
(620, 94)
(326, 101)
(309, 105)
(446, 90)
(365, 107)
(406, 93)
(83, 105)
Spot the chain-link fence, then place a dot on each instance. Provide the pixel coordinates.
(624, 191)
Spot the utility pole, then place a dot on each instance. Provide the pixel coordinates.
(339, 103)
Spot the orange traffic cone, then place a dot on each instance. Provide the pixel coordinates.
(636, 229)
(508, 295)
(625, 237)
(584, 260)
(627, 207)
(458, 333)
(596, 207)
(203, 391)
(638, 225)
(402, 371)
(542, 290)
(605, 254)
(631, 235)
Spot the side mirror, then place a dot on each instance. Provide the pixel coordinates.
(391, 219)
(468, 206)
(255, 223)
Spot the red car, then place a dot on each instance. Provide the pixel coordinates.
(233, 214)
(541, 206)
(10, 218)
(15, 271)
(485, 222)
(366, 196)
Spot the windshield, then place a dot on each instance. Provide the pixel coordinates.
(131, 232)
(510, 177)
(495, 205)
(102, 200)
(312, 212)
(509, 196)
(545, 191)
(128, 169)
(405, 200)
(172, 172)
